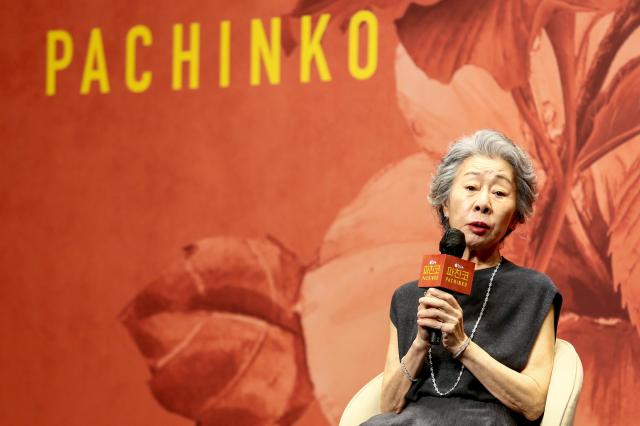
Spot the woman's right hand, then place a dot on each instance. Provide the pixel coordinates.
(422, 338)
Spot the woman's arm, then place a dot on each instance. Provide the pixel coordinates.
(395, 384)
(525, 391)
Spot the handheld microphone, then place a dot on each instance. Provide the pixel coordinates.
(447, 270)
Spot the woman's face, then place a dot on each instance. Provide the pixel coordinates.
(482, 202)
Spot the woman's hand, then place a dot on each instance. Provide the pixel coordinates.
(422, 338)
(440, 310)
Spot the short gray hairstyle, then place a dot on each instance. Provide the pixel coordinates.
(493, 144)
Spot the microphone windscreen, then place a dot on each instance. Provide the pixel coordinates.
(453, 242)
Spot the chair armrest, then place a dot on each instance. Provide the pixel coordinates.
(364, 404)
(564, 387)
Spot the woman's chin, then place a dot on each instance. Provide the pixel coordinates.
(473, 240)
(478, 244)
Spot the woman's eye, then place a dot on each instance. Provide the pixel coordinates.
(470, 188)
(500, 193)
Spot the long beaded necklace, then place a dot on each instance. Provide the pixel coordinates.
(473, 332)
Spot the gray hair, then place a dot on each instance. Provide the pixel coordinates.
(493, 144)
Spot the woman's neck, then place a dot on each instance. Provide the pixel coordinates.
(483, 260)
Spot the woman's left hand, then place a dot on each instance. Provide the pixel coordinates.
(444, 312)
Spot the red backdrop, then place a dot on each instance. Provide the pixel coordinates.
(215, 253)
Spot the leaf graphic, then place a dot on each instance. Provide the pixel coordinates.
(605, 393)
(615, 120)
(391, 208)
(624, 245)
(220, 334)
(345, 316)
(580, 265)
(591, 5)
(345, 9)
(614, 177)
(493, 34)
(438, 114)
(611, 48)
(374, 245)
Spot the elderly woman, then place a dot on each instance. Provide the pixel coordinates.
(495, 361)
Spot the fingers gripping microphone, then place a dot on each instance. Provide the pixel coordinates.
(447, 270)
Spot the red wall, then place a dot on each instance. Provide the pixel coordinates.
(101, 192)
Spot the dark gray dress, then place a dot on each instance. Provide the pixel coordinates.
(519, 301)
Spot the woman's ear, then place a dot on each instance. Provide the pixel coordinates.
(445, 209)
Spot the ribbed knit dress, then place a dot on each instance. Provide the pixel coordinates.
(519, 301)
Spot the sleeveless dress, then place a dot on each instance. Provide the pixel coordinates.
(519, 301)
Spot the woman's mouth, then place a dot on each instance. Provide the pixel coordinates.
(478, 228)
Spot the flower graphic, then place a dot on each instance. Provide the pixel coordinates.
(561, 77)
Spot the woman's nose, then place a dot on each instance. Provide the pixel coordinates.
(482, 203)
(483, 209)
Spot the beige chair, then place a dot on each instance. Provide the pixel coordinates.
(564, 390)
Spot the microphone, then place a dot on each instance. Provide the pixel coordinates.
(447, 270)
(453, 242)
